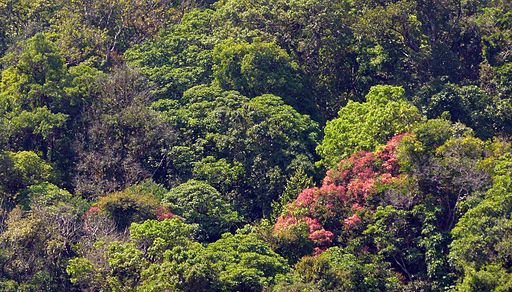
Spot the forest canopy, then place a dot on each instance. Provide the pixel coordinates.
(252, 145)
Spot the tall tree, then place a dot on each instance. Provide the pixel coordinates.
(124, 141)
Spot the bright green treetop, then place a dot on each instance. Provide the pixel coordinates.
(366, 125)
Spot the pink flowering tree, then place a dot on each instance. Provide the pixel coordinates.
(322, 214)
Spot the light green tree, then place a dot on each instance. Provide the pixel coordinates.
(481, 247)
(366, 125)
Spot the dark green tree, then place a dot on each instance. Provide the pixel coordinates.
(256, 144)
(199, 203)
(179, 57)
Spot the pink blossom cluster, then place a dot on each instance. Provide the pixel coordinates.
(337, 205)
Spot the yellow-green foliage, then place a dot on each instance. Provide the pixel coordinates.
(366, 125)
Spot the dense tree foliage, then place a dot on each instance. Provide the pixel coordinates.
(245, 148)
(363, 126)
(255, 145)
(122, 141)
(198, 202)
(180, 57)
(481, 247)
